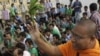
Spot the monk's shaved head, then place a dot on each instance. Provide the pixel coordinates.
(83, 35)
(90, 25)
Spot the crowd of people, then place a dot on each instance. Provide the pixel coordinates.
(57, 31)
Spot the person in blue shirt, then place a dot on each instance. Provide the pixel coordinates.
(18, 18)
(77, 5)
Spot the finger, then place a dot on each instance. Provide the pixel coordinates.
(30, 28)
(35, 25)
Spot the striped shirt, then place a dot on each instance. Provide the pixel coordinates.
(95, 17)
(5, 15)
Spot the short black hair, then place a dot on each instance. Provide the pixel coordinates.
(29, 41)
(21, 3)
(84, 13)
(17, 28)
(12, 4)
(63, 32)
(20, 45)
(26, 30)
(27, 16)
(85, 6)
(23, 34)
(56, 36)
(47, 30)
(93, 6)
(7, 29)
(6, 34)
(67, 29)
(65, 5)
(29, 22)
(51, 24)
(57, 4)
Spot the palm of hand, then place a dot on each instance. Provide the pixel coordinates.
(34, 31)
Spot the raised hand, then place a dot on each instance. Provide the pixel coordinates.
(33, 30)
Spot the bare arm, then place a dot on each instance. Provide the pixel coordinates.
(47, 48)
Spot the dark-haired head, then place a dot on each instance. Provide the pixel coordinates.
(56, 36)
(22, 34)
(93, 7)
(29, 41)
(20, 45)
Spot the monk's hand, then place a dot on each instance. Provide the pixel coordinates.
(34, 31)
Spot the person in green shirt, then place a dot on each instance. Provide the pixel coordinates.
(71, 25)
(12, 10)
(69, 10)
(31, 48)
(7, 40)
(12, 31)
(66, 9)
(1, 36)
(54, 30)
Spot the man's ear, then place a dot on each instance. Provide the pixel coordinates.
(93, 37)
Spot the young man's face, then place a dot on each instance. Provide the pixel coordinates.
(8, 37)
(18, 30)
(50, 27)
(55, 39)
(84, 16)
(48, 33)
(63, 35)
(21, 38)
(85, 9)
(27, 44)
(80, 39)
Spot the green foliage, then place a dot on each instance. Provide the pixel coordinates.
(34, 6)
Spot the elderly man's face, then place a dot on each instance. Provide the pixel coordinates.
(80, 39)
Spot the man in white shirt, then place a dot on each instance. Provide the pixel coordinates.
(48, 36)
(23, 11)
(5, 13)
(47, 5)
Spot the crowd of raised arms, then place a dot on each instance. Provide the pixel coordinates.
(57, 31)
